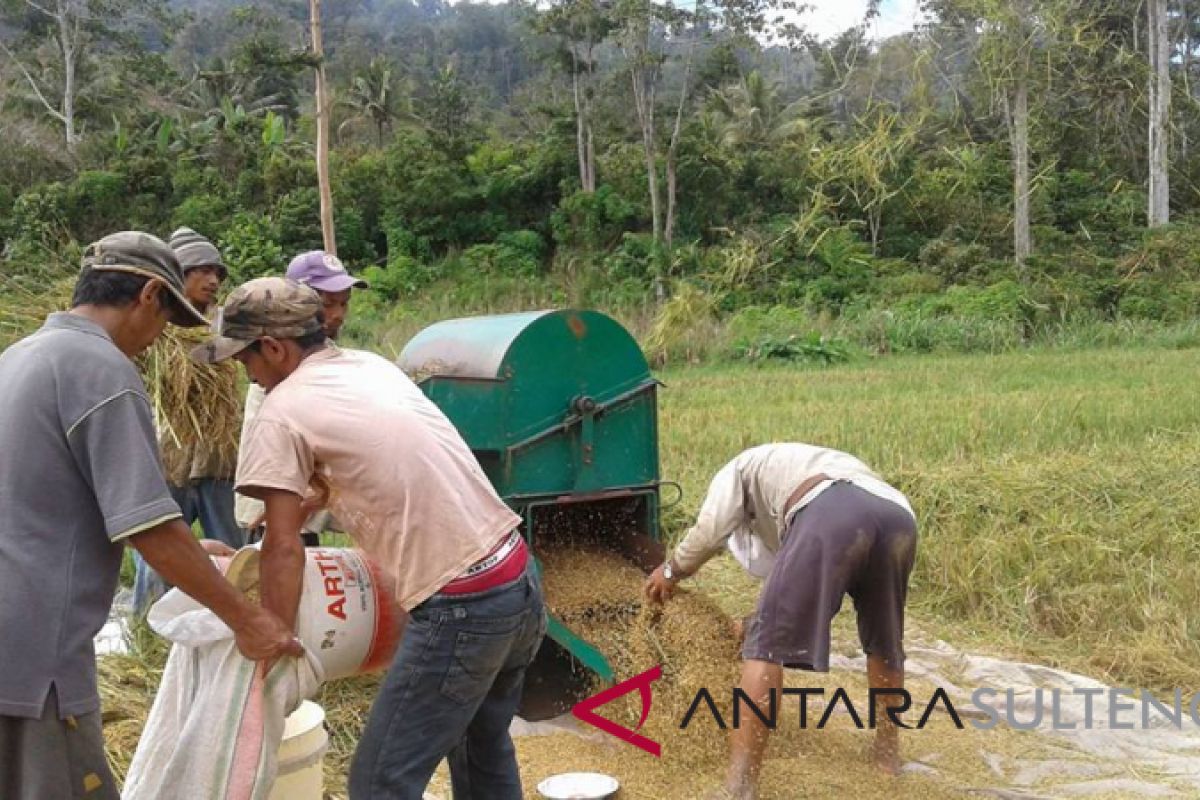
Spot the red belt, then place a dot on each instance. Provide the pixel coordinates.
(506, 562)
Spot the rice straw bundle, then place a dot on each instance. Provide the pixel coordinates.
(197, 407)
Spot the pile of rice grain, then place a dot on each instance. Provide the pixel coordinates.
(599, 596)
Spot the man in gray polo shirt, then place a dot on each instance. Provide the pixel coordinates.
(79, 478)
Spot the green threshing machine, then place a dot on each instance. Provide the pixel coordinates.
(560, 409)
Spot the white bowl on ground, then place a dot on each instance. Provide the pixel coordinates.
(579, 786)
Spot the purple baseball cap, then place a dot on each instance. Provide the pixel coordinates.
(323, 272)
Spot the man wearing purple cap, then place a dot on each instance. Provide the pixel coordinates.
(325, 273)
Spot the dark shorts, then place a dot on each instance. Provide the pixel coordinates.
(54, 759)
(846, 541)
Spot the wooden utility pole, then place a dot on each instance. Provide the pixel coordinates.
(322, 100)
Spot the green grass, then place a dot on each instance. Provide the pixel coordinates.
(1058, 492)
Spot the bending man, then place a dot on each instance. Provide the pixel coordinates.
(817, 524)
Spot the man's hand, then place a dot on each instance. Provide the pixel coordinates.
(659, 587)
(175, 554)
(738, 627)
(262, 636)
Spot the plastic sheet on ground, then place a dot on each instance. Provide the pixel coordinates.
(1088, 760)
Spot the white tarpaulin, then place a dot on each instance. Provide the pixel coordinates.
(1153, 759)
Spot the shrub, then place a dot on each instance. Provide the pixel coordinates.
(592, 221)
(205, 213)
(403, 275)
(811, 347)
(251, 248)
(298, 221)
(636, 257)
(96, 204)
(498, 259)
(352, 239)
(38, 224)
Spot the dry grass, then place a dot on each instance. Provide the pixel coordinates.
(128, 684)
(27, 302)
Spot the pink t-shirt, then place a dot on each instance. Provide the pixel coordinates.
(401, 480)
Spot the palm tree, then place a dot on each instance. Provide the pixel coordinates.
(372, 96)
(753, 116)
(227, 95)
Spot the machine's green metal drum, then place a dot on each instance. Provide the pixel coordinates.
(552, 402)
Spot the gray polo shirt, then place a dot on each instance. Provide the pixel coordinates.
(79, 472)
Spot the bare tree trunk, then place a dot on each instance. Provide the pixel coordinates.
(68, 41)
(1159, 212)
(673, 147)
(591, 158)
(1019, 128)
(70, 45)
(585, 148)
(1185, 35)
(672, 183)
(643, 95)
(322, 101)
(580, 124)
(590, 145)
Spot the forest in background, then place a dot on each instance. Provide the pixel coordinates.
(1010, 172)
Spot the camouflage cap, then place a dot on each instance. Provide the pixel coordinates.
(275, 307)
(138, 253)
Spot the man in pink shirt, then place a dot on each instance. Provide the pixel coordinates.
(348, 427)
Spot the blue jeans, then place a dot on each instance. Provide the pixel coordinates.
(451, 693)
(211, 502)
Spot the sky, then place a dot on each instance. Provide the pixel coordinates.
(830, 17)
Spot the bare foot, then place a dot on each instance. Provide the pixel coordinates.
(738, 792)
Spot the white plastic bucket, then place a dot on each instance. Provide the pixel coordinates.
(348, 616)
(302, 755)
